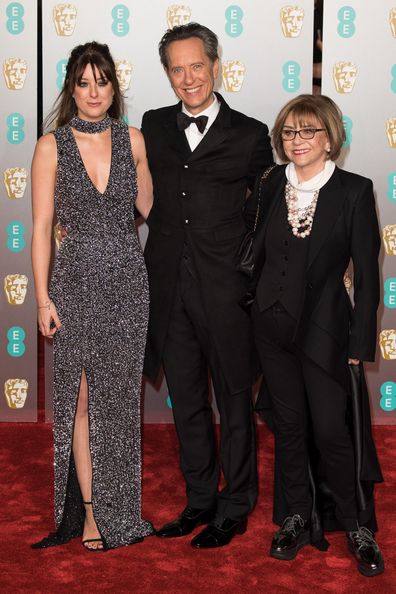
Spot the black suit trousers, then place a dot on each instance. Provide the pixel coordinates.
(305, 402)
(188, 354)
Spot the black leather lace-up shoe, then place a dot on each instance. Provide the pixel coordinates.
(219, 533)
(292, 536)
(362, 544)
(189, 519)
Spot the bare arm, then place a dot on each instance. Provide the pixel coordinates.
(144, 200)
(43, 187)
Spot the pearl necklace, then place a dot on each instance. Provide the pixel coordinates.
(300, 219)
(90, 127)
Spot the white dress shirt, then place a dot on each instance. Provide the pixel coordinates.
(192, 133)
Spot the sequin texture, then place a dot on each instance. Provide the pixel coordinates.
(100, 289)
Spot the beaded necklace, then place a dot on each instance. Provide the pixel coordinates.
(300, 219)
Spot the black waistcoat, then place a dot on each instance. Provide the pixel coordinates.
(283, 275)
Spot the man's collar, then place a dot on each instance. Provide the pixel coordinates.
(210, 111)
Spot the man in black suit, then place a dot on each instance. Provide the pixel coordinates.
(203, 158)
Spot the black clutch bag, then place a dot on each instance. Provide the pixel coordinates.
(245, 252)
(245, 255)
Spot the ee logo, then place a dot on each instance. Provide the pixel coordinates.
(348, 130)
(346, 17)
(388, 393)
(234, 16)
(15, 123)
(15, 12)
(16, 346)
(61, 73)
(391, 193)
(390, 293)
(15, 236)
(169, 401)
(393, 82)
(291, 81)
(120, 25)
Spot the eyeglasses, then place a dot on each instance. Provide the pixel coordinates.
(304, 133)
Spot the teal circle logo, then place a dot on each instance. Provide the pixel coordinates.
(61, 73)
(390, 293)
(16, 346)
(388, 396)
(291, 76)
(15, 124)
(348, 125)
(169, 401)
(393, 81)
(346, 17)
(15, 12)
(120, 25)
(234, 16)
(15, 236)
(391, 193)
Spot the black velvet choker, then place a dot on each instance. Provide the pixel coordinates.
(90, 127)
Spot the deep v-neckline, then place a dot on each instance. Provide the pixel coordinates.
(86, 170)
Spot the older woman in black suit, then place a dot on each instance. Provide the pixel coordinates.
(315, 218)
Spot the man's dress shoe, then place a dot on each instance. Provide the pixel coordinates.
(362, 544)
(186, 522)
(290, 538)
(219, 533)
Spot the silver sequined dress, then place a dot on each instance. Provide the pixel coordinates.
(99, 286)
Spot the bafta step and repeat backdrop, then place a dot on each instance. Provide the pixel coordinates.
(359, 73)
(18, 130)
(266, 54)
(256, 78)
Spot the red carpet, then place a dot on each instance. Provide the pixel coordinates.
(169, 566)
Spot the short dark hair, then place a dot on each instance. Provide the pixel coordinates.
(208, 38)
(303, 108)
(95, 54)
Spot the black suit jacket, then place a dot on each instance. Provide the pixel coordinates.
(200, 196)
(329, 328)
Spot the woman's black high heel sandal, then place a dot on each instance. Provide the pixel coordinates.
(88, 540)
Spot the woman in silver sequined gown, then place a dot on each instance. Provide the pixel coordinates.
(94, 169)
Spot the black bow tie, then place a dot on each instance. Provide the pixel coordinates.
(183, 121)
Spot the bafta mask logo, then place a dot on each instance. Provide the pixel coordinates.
(65, 16)
(15, 392)
(15, 179)
(14, 70)
(233, 75)
(392, 20)
(387, 341)
(58, 235)
(347, 282)
(344, 76)
(391, 132)
(292, 18)
(15, 288)
(389, 237)
(124, 74)
(178, 14)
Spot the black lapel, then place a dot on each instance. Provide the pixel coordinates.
(273, 190)
(217, 132)
(330, 201)
(176, 138)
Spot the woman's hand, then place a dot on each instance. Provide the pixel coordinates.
(46, 314)
(353, 361)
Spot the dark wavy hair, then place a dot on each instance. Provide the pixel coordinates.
(95, 54)
(208, 38)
